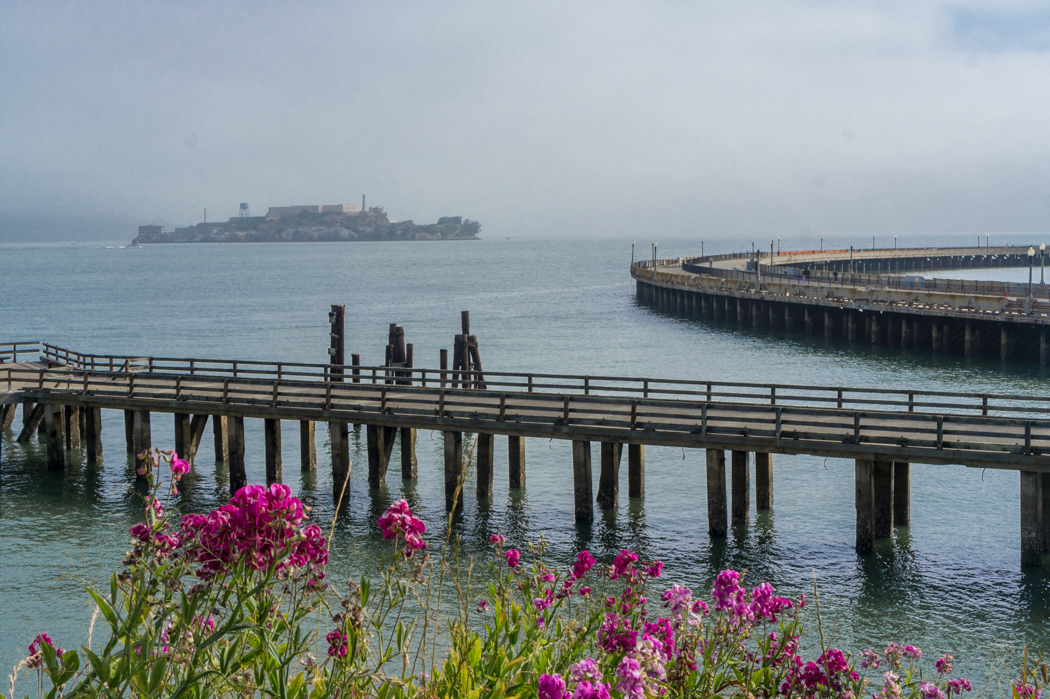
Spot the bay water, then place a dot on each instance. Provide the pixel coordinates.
(949, 583)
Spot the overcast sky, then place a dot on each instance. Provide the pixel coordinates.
(603, 118)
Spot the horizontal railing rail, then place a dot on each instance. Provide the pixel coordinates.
(18, 351)
(838, 397)
(798, 428)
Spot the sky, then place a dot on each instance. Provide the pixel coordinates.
(536, 118)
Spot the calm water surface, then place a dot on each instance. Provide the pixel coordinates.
(949, 583)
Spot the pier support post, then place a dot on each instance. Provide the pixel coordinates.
(1045, 487)
(788, 318)
(636, 470)
(772, 315)
(935, 336)
(741, 491)
(969, 340)
(8, 412)
(220, 428)
(901, 493)
(235, 459)
(829, 325)
(33, 417)
(93, 433)
(516, 461)
(197, 425)
(1004, 343)
(380, 446)
(307, 447)
(72, 426)
(339, 436)
(865, 502)
(453, 471)
(581, 481)
(716, 493)
(183, 434)
(274, 465)
(876, 336)
(851, 326)
(1031, 517)
(486, 443)
(609, 477)
(807, 319)
(129, 430)
(409, 462)
(54, 419)
(905, 332)
(756, 314)
(1044, 348)
(763, 481)
(740, 313)
(142, 439)
(883, 499)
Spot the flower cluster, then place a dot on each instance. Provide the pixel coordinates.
(260, 526)
(398, 522)
(36, 650)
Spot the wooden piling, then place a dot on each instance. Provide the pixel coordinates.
(851, 326)
(274, 464)
(763, 481)
(829, 325)
(516, 461)
(876, 336)
(581, 481)
(129, 430)
(807, 319)
(484, 455)
(453, 471)
(235, 459)
(1004, 343)
(93, 433)
(220, 429)
(409, 462)
(788, 318)
(636, 470)
(1031, 517)
(1044, 348)
(380, 447)
(609, 476)
(71, 418)
(307, 447)
(883, 496)
(716, 493)
(1045, 488)
(7, 416)
(339, 436)
(935, 336)
(183, 434)
(741, 490)
(31, 424)
(54, 426)
(142, 440)
(901, 493)
(865, 503)
(969, 340)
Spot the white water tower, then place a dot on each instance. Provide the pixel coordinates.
(245, 211)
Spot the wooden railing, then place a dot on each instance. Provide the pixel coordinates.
(734, 414)
(837, 397)
(16, 351)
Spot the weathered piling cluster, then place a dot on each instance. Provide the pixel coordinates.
(883, 431)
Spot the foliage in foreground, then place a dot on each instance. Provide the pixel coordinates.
(236, 603)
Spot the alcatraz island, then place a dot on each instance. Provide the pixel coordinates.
(313, 223)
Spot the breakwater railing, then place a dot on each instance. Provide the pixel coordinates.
(15, 351)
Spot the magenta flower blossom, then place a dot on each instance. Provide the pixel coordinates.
(179, 467)
(586, 669)
(483, 606)
(1025, 691)
(929, 690)
(398, 521)
(584, 591)
(957, 687)
(869, 658)
(944, 665)
(337, 644)
(655, 569)
(36, 650)
(497, 539)
(590, 690)
(513, 557)
(616, 634)
(677, 600)
(765, 606)
(552, 687)
(631, 683)
(584, 562)
(727, 592)
(623, 564)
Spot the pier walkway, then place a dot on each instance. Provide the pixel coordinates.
(884, 431)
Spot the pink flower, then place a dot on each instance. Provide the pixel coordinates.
(631, 684)
(483, 606)
(398, 521)
(584, 591)
(869, 658)
(179, 467)
(552, 687)
(586, 669)
(513, 557)
(36, 650)
(677, 599)
(622, 564)
(655, 569)
(957, 686)
(337, 644)
(584, 562)
(944, 665)
(497, 539)
(590, 690)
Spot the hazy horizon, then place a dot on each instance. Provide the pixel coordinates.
(618, 119)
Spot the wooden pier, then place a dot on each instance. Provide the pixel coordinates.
(884, 431)
(863, 297)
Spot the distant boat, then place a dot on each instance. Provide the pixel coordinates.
(135, 244)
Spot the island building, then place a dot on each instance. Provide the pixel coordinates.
(279, 211)
(150, 231)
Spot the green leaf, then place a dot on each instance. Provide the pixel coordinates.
(71, 662)
(99, 666)
(106, 608)
(156, 674)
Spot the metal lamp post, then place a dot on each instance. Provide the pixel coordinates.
(1028, 299)
(654, 261)
(895, 242)
(632, 253)
(1042, 264)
